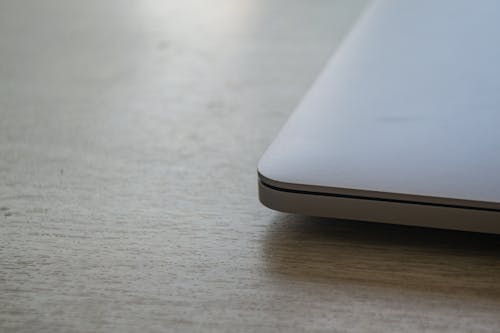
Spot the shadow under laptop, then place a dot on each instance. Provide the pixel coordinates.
(332, 251)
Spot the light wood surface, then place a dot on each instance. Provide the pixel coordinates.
(129, 137)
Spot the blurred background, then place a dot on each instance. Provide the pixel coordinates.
(152, 98)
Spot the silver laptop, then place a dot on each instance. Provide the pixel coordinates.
(402, 126)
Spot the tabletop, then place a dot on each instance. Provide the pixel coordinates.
(129, 137)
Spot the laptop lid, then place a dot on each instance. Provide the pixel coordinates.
(407, 108)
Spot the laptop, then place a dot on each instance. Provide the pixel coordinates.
(403, 124)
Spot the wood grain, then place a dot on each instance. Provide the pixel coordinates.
(129, 137)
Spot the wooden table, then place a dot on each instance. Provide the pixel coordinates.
(129, 137)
